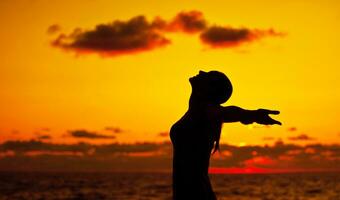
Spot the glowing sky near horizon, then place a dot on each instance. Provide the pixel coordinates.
(45, 90)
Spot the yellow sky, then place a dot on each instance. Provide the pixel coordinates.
(145, 93)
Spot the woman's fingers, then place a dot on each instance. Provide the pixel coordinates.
(274, 112)
(273, 121)
(266, 119)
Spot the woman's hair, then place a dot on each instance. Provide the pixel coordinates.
(215, 88)
(220, 90)
(220, 87)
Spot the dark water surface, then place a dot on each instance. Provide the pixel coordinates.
(152, 186)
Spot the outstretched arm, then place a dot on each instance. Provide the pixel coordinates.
(237, 114)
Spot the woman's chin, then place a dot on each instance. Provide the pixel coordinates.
(192, 78)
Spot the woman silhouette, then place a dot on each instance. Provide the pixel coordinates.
(196, 135)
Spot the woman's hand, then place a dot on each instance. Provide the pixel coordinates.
(261, 116)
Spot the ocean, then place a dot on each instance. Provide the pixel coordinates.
(157, 186)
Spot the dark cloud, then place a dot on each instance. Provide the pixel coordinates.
(224, 37)
(163, 134)
(114, 129)
(268, 138)
(43, 156)
(89, 135)
(45, 129)
(118, 37)
(292, 129)
(189, 22)
(138, 35)
(281, 156)
(20, 147)
(15, 132)
(44, 137)
(54, 28)
(217, 36)
(301, 137)
(104, 149)
(125, 149)
(42, 134)
(39, 155)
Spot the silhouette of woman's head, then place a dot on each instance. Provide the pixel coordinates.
(213, 87)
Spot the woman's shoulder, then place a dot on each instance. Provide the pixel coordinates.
(215, 111)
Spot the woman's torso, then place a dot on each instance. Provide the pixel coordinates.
(193, 138)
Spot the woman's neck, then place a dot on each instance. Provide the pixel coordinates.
(196, 102)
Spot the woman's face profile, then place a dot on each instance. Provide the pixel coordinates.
(199, 78)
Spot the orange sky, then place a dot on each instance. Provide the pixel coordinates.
(43, 87)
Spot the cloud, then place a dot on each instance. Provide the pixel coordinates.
(39, 155)
(163, 134)
(118, 37)
(139, 35)
(44, 156)
(20, 147)
(114, 129)
(54, 28)
(301, 137)
(15, 132)
(45, 129)
(89, 135)
(268, 138)
(292, 129)
(224, 37)
(189, 22)
(44, 137)
(281, 156)
(104, 149)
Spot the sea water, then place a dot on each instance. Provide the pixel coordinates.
(157, 186)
